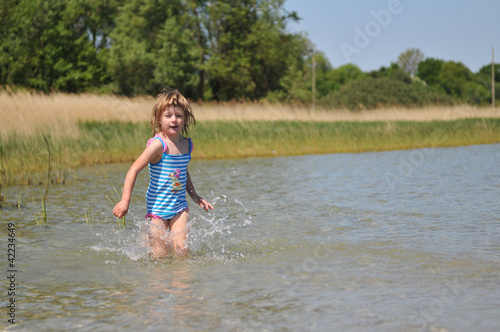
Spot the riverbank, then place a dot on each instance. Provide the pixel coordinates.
(27, 160)
(59, 132)
(29, 115)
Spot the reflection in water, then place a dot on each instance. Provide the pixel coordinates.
(163, 298)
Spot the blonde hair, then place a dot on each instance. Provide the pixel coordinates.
(167, 99)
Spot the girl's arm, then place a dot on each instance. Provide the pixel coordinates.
(196, 198)
(150, 154)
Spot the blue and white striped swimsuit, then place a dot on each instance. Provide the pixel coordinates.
(166, 195)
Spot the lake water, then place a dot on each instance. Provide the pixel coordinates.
(386, 241)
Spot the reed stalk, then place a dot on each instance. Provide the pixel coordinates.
(42, 214)
(49, 167)
(114, 199)
(89, 217)
(44, 195)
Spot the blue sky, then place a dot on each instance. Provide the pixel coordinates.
(373, 33)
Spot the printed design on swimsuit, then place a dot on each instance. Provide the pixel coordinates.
(175, 176)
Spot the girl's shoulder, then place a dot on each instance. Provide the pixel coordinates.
(186, 141)
(190, 142)
(161, 139)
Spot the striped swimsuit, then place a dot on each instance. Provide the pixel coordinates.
(166, 195)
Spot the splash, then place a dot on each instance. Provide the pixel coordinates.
(220, 234)
(216, 235)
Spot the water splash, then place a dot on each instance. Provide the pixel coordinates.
(216, 235)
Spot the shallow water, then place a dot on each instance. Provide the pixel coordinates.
(387, 241)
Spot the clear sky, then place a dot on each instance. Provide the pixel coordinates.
(373, 33)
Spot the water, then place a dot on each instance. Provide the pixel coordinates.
(387, 241)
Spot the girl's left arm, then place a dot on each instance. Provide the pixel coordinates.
(196, 198)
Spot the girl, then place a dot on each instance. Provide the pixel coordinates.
(168, 154)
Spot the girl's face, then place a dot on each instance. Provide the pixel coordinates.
(172, 121)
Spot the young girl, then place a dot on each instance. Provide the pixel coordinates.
(168, 154)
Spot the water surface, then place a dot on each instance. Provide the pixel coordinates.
(386, 241)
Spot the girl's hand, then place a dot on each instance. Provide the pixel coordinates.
(121, 209)
(203, 203)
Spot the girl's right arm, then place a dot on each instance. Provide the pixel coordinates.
(151, 154)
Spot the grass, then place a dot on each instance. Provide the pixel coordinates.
(91, 129)
(109, 142)
(114, 199)
(30, 115)
(214, 140)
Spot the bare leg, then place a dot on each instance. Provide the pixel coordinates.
(158, 238)
(178, 232)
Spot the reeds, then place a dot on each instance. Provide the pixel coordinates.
(30, 114)
(92, 129)
(108, 142)
(217, 140)
(42, 214)
(114, 199)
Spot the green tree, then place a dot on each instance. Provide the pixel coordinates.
(248, 47)
(47, 47)
(138, 24)
(456, 80)
(344, 74)
(208, 49)
(384, 71)
(454, 77)
(295, 83)
(429, 71)
(176, 63)
(483, 91)
(8, 41)
(486, 72)
(394, 90)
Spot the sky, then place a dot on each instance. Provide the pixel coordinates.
(373, 33)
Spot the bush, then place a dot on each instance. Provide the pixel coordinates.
(394, 90)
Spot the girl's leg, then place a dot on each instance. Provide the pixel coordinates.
(178, 233)
(158, 238)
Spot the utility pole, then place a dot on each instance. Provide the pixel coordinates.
(493, 77)
(314, 83)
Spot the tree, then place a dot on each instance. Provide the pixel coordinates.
(454, 77)
(486, 71)
(176, 63)
(429, 71)
(131, 64)
(456, 80)
(344, 74)
(295, 83)
(248, 48)
(47, 47)
(393, 90)
(408, 61)
(207, 49)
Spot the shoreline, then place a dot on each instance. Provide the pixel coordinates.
(28, 160)
(83, 130)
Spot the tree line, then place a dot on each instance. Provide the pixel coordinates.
(210, 50)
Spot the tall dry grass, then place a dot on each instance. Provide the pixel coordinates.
(92, 129)
(31, 114)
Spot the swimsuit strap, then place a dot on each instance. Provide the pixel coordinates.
(165, 146)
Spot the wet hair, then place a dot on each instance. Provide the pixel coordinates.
(167, 99)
